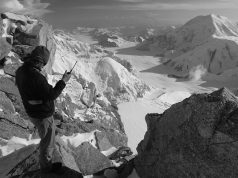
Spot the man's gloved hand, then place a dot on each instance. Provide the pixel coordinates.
(66, 76)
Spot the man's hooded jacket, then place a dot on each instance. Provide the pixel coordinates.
(37, 95)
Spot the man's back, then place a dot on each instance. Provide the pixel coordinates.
(34, 88)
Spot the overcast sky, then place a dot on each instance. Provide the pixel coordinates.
(68, 14)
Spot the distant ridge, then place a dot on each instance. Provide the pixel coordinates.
(209, 42)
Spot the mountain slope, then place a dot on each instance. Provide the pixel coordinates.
(88, 104)
(210, 42)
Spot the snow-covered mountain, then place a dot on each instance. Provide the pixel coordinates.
(130, 33)
(209, 42)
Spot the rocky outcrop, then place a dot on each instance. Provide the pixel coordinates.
(90, 160)
(194, 138)
(107, 38)
(11, 123)
(85, 159)
(36, 32)
(26, 161)
(108, 43)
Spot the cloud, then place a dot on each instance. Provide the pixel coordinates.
(185, 6)
(161, 5)
(151, 5)
(33, 7)
(10, 5)
(196, 73)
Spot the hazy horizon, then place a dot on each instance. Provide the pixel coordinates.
(115, 13)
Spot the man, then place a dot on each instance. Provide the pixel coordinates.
(38, 99)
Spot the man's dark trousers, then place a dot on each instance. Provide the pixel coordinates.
(46, 129)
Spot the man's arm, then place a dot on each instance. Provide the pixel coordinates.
(48, 92)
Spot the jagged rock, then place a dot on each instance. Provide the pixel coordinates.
(25, 162)
(67, 172)
(76, 126)
(194, 138)
(10, 89)
(10, 69)
(116, 139)
(5, 47)
(65, 105)
(18, 162)
(23, 50)
(12, 63)
(140, 39)
(90, 160)
(6, 105)
(13, 125)
(103, 143)
(37, 32)
(108, 43)
(67, 155)
(8, 86)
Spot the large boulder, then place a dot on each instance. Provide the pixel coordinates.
(194, 138)
(90, 160)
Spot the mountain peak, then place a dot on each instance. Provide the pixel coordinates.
(213, 25)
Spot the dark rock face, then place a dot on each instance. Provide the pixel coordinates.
(194, 138)
(103, 143)
(13, 125)
(67, 172)
(26, 161)
(90, 160)
(19, 161)
(6, 104)
(108, 43)
(8, 86)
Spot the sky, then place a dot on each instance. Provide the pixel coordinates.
(69, 14)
